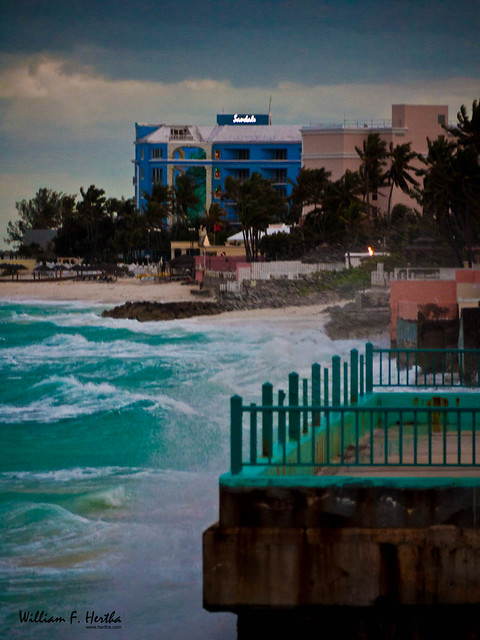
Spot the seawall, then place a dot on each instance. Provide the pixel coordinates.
(286, 552)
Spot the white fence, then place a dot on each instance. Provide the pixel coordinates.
(224, 280)
(424, 273)
(219, 276)
(231, 286)
(291, 269)
(380, 278)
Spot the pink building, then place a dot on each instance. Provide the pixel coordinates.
(442, 305)
(333, 146)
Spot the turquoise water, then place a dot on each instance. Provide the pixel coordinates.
(112, 437)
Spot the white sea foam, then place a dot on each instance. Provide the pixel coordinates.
(165, 402)
(68, 397)
(74, 475)
(110, 498)
(33, 520)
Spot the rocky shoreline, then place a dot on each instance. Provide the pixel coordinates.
(156, 311)
(367, 315)
(348, 322)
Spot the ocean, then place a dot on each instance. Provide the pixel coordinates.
(113, 434)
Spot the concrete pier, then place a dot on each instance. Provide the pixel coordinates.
(285, 553)
(354, 520)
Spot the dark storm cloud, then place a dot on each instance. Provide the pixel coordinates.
(249, 41)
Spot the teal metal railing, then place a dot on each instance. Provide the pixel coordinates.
(334, 418)
(423, 367)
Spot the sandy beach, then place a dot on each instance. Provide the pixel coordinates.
(123, 290)
(133, 290)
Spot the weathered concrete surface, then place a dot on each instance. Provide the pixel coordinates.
(353, 504)
(275, 569)
(374, 551)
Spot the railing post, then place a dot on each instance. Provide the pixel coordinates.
(362, 375)
(336, 381)
(326, 387)
(369, 367)
(235, 435)
(345, 383)
(253, 433)
(282, 425)
(354, 376)
(305, 404)
(267, 420)
(294, 416)
(316, 398)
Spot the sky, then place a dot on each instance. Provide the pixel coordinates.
(75, 76)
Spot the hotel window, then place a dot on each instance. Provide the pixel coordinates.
(157, 154)
(280, 154)
(218, 192)
(157, 176)
(142, 153)
(244, 154)
(243, 174)
(280, 176)
(142, 174)
(216, 174)
(441, 119)
(217, 154)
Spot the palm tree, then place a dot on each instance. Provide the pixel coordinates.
(214, 218)
(344, 192)
(398, 174)
(373, 156)
(404, 226)
(306, 201)
(442, 192)
(350, 208)
(256, 203)
(309, 189)
(185, 197)
(467, 130)
(465, 200)
(342, 201)
(157, 211)
(159, 204)
(92, 210)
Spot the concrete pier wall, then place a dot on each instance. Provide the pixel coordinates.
(406, 542)
(353, 567)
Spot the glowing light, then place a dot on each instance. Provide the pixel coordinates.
(370, 251)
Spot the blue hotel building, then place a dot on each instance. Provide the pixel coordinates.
(237, 146)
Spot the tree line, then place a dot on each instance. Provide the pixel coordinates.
(444, 184)
(101, 229)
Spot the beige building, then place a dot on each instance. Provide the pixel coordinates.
(333, 146)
